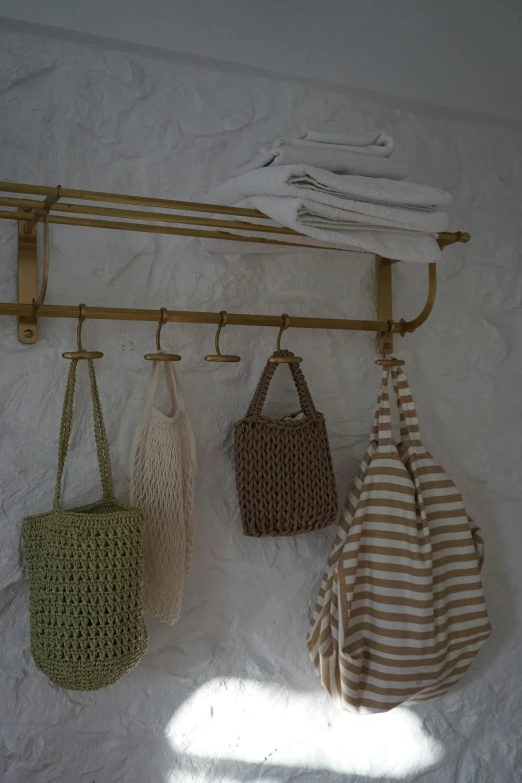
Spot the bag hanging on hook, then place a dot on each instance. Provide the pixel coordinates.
(284, 474)
(163, 466)
(86, 575)
(401, 613)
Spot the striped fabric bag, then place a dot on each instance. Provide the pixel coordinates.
(401, 612)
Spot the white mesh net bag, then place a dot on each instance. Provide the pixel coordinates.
(163, 466)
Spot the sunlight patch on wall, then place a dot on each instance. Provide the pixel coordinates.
(247, 721)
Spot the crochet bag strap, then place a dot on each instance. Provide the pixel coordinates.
(100, 434)
(255, 409)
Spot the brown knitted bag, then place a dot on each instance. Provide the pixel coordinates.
(284, 474)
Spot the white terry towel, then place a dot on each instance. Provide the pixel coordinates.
(371, 201)
(394, 219)
(412, 247)
(366, 155)
(330, 157)
(372, 143)
(319, 222)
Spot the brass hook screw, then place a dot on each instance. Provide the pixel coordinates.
(218, 356)
(162, 356)
(81, 353)
(285, 323)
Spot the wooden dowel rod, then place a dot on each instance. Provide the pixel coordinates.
(119, 198)
(162, 217)
(185, 316)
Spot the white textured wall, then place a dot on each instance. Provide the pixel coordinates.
(463, 54)
(228, 694)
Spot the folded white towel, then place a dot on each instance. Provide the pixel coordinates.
(279, 181)
(365, 155)
(394, 219)
(331, 157)
(324, 223)
(373, 143)
(354, 200)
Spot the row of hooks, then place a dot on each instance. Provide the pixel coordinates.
(159, 355)
(163, 356)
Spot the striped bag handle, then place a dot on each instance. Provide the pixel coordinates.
(381, 430)
(407, 411)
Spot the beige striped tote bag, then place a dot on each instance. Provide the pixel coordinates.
(401, 612)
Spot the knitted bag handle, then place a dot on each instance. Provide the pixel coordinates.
(100, 434)
(255, 409)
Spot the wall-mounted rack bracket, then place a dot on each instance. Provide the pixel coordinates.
(87, 209)
(27, 278)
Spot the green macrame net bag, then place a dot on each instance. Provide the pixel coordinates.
(86, 575)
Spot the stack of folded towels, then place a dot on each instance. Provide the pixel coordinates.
(344, 191)
(367, 155)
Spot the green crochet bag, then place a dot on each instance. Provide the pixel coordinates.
(86, 575)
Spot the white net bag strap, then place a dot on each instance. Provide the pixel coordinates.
(178, 403)
(163, 467)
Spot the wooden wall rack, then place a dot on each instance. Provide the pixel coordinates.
(165, 216)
